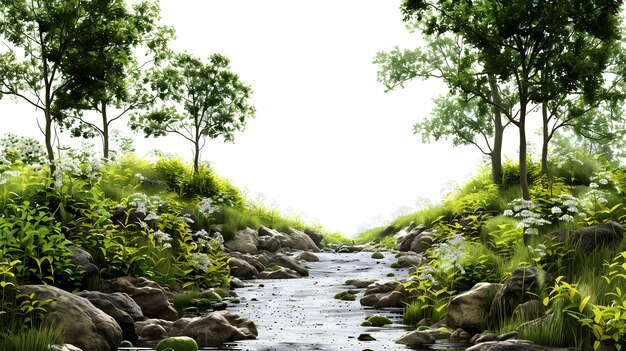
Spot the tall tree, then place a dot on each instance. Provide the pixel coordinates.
(109, 80)
(196, 100)
(518, 40)
(471, 113)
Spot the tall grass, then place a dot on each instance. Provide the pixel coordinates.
(32, 339)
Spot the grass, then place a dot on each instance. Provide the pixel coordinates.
(33, 339)
(336, 239)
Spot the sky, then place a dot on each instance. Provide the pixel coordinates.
(327, 142)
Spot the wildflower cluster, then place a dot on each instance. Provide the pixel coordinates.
(450, 253)
(162, 238)
(566, 208)
(4, 176)
(206, 207)
(201, 262)
(25, 150)
(530, 218)
(78, 163)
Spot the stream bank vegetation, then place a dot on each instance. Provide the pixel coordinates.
(484, 231)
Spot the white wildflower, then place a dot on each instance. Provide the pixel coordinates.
(573, 209)
(566, 218)
(508, 213)
(218, 237)
(531, 231)
(593, 185)
(151, 216)
(187, 220)
(167, 245)
(525, 214)
(161, 236)
(3, 180)
(556, 210)
(201, 261)
(206, 207)
(603, 181)
(602, 201)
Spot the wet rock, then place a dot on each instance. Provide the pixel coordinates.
(608, 234)
(255, 261)
(269, 243)
(307, 256)
(529, 310)
(524, 284)
(153, 329)
(244, 241)
(301, 241)
(411, 260)
(316, 237)
(123, 319)
(477, 339)
(511, 345)
(469, 310)
(416, 338)
(83, 325)
(289, 262)
(241, 269)
(422, 242)
(65, 347)
(391, 294)
(508, 336)
(282, 273)
(378, 320)
(177, 343)
(349, 249)
(120, 300)
(215, 328)
(366, 337)
(236, 283)
(460, 336)
(407, 240)
(361, 283)
(149, 296)
(345, 296)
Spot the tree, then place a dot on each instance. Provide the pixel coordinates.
(471, 113)
(526, 43)
(44, 33)
(196, 101)
(110, 78)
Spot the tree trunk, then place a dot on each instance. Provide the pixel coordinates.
(523, 176)
(496, 152)
(196, 157)
(105, 131)
(546, 141)
(48, 137)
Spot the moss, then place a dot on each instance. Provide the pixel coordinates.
(349, 282)
(203, 303)
(345, 296)
(378, 256)
(178, 343)
(273, 268)
(366, 324)
(378, 320)
(395, 265)
(391, 274)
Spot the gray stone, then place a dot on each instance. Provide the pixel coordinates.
(255, 261)
(609, 234)
(407, 240)
(362, 283)
(215, 328)
(153, 329)
(149, 296)
(83, 325)
(529, 310)
(241, 269)
(416, 338)
(236, 283)
(316, 237)
(307, 256)
(412, 260)
(422, 242)
(512, 345)
(460, 336)
(119, 300)
(269, 243)
(301, 241)
(244, 241)
(469, 310)
(123, 319)
(283, 273)
(288, 262)
(84, 259)
(485, 338)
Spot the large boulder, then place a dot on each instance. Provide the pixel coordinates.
(410, 259)
(283, 273)
(316, 237)
(115, 305)
(406, 236)
(83, 325)
(301, 241)
(288, 262)
(269, 243)
(258, 262)
(241, 268)
(390, 294)
(512, 345)
(153, 329)
(149, 296)
(417, 338)
(422, 242)
(524, 284)
(215, 328)
(470, 310)
(244, 241)
(84, 259)
(609, 234)
(307, 256)
(266, 233)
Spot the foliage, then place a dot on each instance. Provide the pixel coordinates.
(197, 100)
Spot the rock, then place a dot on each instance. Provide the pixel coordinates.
(485, 338)
(123, 319)
(407, 240)
(301, 241)
(365, 337)
(345, 296)
(215, 328)
(361, 283)
(378, 255)
(413, 260)
(378, 320)
(150, 297)
(119, 300)
(316, 237)
(609, 234)
(511, 345)
(460, 336)
(283, 273)
(348, 249)
(288, 262)
(508, 336)
(236, 283)
(416, 338)
(241, 269)
(244, 241)
(83, 325)
(529, 310)
(391, 294)
(84, 259)
(469, 310)
(255, 261)
(269, 243)
(177, 343)
(153, 329)
(307, 256)
(523, 285)
(422, 242)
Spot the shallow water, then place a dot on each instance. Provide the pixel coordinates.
(301, 314)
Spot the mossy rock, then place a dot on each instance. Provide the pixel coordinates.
(378, 256)
(177, 343)
(126, 343)
(235, 300)
(423, 327)
(391, 274)
(345, 296)
(211, 295)
(396, 265)
(366, 324)
(349, 282)
(204, 303)
(273, 268)
(378, 320)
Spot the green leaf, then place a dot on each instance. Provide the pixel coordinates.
(583, 303)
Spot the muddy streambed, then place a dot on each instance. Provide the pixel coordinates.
(301, 314)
